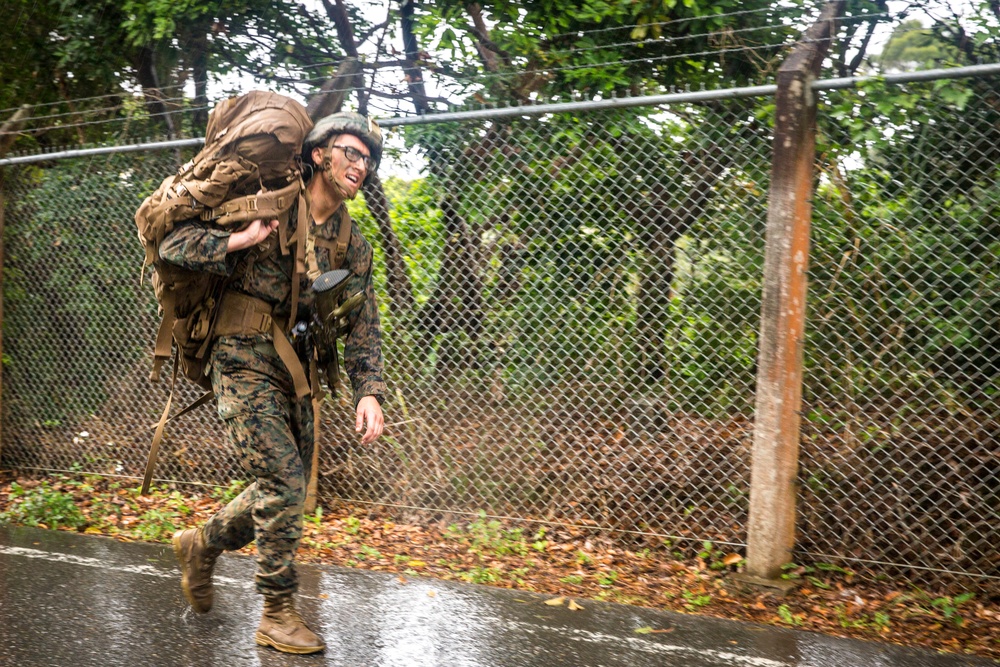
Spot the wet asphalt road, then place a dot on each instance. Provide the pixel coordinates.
(69, 600)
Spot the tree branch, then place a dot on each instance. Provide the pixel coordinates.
(852, 68)
(9, 130)
(414, 77)
(488, 51)
(361, 39)
(338, 14)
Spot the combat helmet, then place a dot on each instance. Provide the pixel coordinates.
(345, 122)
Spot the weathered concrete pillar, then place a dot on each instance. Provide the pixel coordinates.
(771, 529)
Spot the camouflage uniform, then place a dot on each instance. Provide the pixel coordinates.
(270, 428)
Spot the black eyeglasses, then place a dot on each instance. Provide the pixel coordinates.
(353, 155)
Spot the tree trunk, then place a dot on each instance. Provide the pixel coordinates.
(149, 80)
(400, 289)
(331, 95)
(457, 303)
(10, 128)
(199, 72)
(414, 77)
(663, 226)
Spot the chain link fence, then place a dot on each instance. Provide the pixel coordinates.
(901, 432)
(571, 307)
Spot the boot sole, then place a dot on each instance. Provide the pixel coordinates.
(264, 640)
(179, 554)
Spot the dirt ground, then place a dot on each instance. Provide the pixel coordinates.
(571, 562)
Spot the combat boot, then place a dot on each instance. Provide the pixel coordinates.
(283, 628)
(197, 562)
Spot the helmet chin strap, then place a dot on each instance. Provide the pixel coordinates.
(328, 174)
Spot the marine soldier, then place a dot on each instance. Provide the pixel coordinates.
(270, 427)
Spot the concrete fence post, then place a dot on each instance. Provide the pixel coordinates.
(771, 527)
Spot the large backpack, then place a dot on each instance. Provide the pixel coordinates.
(247, 170)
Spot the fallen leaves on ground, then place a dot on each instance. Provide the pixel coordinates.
(569, 563)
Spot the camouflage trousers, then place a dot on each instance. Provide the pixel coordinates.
(272, 433)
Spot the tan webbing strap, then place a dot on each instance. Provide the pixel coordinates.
(165, 207)
(343, 240)
(243, 314)
(283, 238)
(291, 361)
(154, 448)
(200, 401)
(301, 234)
(338, 247)
(262, 206)
(164, 336)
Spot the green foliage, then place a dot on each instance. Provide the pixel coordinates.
(949, 607)
(568, 286)
(694, 601)
(316, 517)
(606, 579)
(946, 607)
(57, 50)
(482, 575)
(71, 283)
(366, 552)
(903, 273)
(912, 46)
(585, 53)
(786, 616)
(158, 525)
(488, 537)
(42, 505)
(352, 525)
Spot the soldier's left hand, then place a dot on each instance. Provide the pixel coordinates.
(369, 412)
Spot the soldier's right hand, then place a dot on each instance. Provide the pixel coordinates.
(254, 233)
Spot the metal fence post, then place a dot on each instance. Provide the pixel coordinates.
(771, 528)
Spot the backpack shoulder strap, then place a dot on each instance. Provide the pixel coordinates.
(338, 247)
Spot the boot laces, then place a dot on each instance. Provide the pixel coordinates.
(291, 612)
(285, 607)
(208, 560)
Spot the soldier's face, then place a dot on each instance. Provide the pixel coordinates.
(347, 175)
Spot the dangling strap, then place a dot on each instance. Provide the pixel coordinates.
(164, 336)
(197, 403)
(318, 392)
(291, 360)
(154, 448)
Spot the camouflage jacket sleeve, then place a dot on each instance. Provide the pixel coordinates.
(363, 345)
(195, 247)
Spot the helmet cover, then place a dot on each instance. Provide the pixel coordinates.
(344, 122)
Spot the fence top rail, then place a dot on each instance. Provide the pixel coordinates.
(560, 107)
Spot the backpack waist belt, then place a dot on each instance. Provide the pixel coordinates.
(241, 314)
